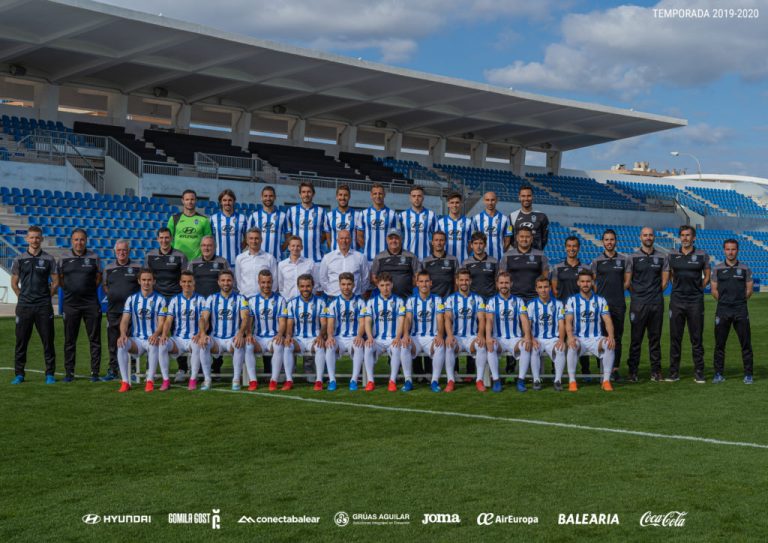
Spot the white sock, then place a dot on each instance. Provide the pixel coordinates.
(481, 358)
(524, 361)
(194, 364)
(237, 364)
(124, 362)
(288, 361)
(438, 359)
(163, 356)
(206, 361)
(572, 358)
(370, 363)
(493, 364)
(358, 354)
(250, 362)
(559, 365)
(151, 362)
(394, 363)
(319, 364)
(277, 361)
(450, 364)
(406, 360)
(607, 360)
(330, 363)
(536, 364)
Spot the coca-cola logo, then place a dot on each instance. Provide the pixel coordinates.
(673, 519)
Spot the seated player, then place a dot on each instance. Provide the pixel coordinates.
(144, 312)
(268, 330)
(546, 316)
(345, 331)
(423, 330)
(183, 319)
(583, 312)
(304, 330)
(226, 315)
(384, 322)
(464, 327)
(505, 332)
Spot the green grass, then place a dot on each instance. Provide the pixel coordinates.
(72, 449)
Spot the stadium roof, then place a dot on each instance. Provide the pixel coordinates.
(84, 43)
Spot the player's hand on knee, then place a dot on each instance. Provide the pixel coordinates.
(573, 343)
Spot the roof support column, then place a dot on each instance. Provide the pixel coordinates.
(117, 108)
(478, 154)
(437, 151)
(297, 132)
(46, 99)
(517, 159)
(348, 138)
(241, 128)
(554, 159)
(394, 144)
(182, 116)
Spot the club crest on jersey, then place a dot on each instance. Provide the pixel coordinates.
(172, 259)
(215, 265)
(488, 266)
(693, 258)
(533, 218)
(41, 262)
(87, 261)
(402, 260)
(738, 272)
(655, 259)
(445, 263)
(531, 258)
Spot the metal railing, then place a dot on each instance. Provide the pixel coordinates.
(124, 156)
(57, 146)
(354, 184)
(76, 139)
(7, 254)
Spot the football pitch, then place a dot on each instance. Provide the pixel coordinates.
(79, 449)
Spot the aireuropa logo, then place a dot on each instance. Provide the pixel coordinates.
(673, 519)
(441, 518)
(487, 519)
(341, 519)
(93, 518)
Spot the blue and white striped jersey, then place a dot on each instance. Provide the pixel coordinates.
(273, 228)
(229, 233)
(306, 316)
(424, 314)
(309, 225)
(144, 313)
(266, 314)
(225, 313)
(464, 311)
(346, 315)
(186, 314)
(384, 314)
(545, 318)
(417, 230)
(336, 221)
(506, 316)
(495, 228)
(586, 315)
(457, 234)
(374, 224)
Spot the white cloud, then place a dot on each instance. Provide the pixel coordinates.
(701, 134)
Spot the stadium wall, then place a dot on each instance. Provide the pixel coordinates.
(42, 176)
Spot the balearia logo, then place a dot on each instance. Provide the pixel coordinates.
(341, 519)
(441, 518)
(673, 519)
(92, 518)
(584, 519)
(486, 519)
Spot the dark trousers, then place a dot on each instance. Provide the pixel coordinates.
(725, 317)
(73, 316)
(113, 332)
(642, 318)
(679, 315)
(27, 318)
(617, 318)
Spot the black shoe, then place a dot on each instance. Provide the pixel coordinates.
(616, 376)
(633, 378)
(656, 377)
(699, 377)
(673, 377)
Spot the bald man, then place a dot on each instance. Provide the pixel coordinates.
(494, 225)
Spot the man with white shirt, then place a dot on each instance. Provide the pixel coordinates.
(289, 270)
(344, 260)
(250, 262)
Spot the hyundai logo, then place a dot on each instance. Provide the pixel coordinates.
(91, 518)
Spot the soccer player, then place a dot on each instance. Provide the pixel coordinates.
(423, 331)
(646, 276)
(384, 322)
(457, 227)
(345, 330)
(180, 329)
(401, 265)
(206, 268)
(546, 316)
(440, 266)
(226, 315)
(417, 224)
(341, 218)
(228, 227)
(537, 221)
(143, 313)
(732, 286)
(344, 260)
(188, 227)
(464, 327)
(271, 222)
(268, 333)
(79, 277)
(34, 279)
(251, 261)
(119, 280)
(583, 313)
(609, 269)
(307, 221)
(494, 225)
(304, 330)
(290, 269)
(689, 272)
(482, 267)
(373, 224)
(525, 264)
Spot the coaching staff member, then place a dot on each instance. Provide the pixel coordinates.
(440, 266)
(482, 267)
(646, 276)
(525, 264)
(120, 280)
(34, 279)
(401, 264)
(79, 277)
(206, 267)
(732, 287)
(689, 272)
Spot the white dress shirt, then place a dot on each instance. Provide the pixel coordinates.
(247, 268)
(335, 263)
(288, 273)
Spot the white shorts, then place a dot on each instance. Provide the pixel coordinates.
(464, 344)
(142, 345)
(183, 346)
(344, 345)
(307, 344)
(591, 346)
(223, 345)
(547, 347)
(511, 346)
(265, 343)
(422, 344)
(381, 346)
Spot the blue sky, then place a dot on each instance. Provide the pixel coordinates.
(711, 71)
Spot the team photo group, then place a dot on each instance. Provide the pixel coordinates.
(422, 289)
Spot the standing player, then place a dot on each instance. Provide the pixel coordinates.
(401, 265)
(423, 331)
(341, 218)
(482, 267)
(494, 225)
(228, 227)
(304, 330)
(143, 314)
(525, 264)
(384, 322)
(732, 287)
(417, 224)
(344, 260)
(272, 223)
(374, 223)
(457, 227)
(546, 316)
(690, 273)
(34, 279)
(537, 221)
(268, 334)
(188, 227)
(226, 315)
(307, 221)
(440, 266)
(120, 280)
(290, 269)
(583, 313)
(251, 261)
(345, 330)
(464, 327)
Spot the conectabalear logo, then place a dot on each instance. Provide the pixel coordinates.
(673, 519)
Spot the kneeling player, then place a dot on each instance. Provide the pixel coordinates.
(144, 311)
(268, 331)
(546, 316)
(384, 321)
(506, 332)
(583, 312)
(423, 331)
(464, 327)
(304, 330)
(227, 314)
(343, 316)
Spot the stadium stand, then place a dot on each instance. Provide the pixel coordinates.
(505, 184)
(410, 169)
(375, 170)
(646, 191)
(302, 161)
(585, 192)
(118, 132)
(182, 147)
(19, 127)
(731, 201)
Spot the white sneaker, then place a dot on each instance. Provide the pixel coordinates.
(181, 376)
(206, 385)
